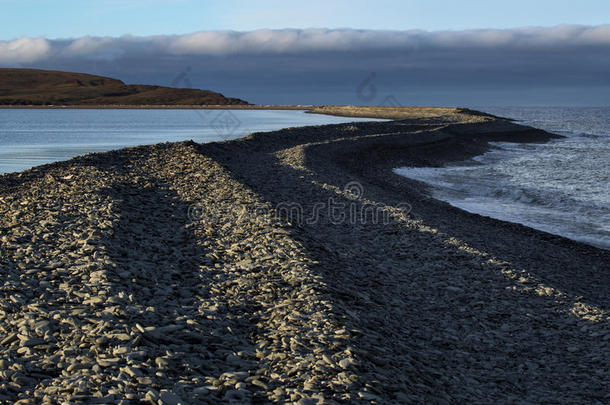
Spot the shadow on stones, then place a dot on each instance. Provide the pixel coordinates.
(164, 283)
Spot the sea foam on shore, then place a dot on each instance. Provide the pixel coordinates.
(559, 187)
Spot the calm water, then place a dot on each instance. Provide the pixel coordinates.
(33, 137)
(561, 187)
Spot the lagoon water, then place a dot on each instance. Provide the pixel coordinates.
(561, 187)
(32, 137)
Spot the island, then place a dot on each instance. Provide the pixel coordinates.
(33, 87)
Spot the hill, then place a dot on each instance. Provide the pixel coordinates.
(46, 87)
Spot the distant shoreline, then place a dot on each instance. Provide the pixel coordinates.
(373, 112)
(158, 107)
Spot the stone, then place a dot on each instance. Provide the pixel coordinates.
(161, 363)
(238, 396)
(201, 391)
(169, 398)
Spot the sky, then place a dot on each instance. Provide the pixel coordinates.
(432, 52)
(76, 18)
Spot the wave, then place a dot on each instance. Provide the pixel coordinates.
(561, 187)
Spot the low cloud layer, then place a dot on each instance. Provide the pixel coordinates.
(24, 50)
(328, 66)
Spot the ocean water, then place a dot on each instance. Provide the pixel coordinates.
(561, 187)
(31, 137)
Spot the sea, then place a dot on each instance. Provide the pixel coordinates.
(32, 137)
(560, 187)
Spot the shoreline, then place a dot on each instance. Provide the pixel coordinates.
(159, 107)
(156, 250)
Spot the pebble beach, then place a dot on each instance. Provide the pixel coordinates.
(292, 266)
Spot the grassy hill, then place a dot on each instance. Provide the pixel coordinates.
(46, 87)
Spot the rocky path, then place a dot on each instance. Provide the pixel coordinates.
(288, 267)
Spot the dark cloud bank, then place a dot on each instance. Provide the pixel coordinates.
(563, 65)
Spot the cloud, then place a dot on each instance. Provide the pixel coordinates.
(98, 48)
(282, 65)
(306, 41)
(289, 41)
(24, 50)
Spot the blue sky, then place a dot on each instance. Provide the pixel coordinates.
(76, 18)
